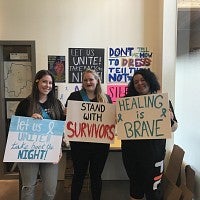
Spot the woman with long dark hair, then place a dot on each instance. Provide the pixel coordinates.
(40, 104)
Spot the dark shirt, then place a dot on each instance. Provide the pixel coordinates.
(151, 149)
(23, 107)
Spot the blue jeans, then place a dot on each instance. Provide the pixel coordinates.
(29, 173)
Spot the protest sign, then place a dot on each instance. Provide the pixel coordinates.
(124, 61)
(116, 91)
(81, 59)
(33, 140)
(143, 117)
(90, 122)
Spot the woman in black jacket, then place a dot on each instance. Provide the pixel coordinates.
(144, 159)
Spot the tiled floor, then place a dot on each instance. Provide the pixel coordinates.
(112, 190)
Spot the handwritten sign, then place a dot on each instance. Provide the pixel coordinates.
(116, 91)
(81, 59)
(90, 122)
(143, 117)
(123, 62)
(33, 140)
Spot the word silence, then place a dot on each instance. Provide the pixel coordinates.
(116, 91)
(33, 140)
(143, 117)
(90, 122)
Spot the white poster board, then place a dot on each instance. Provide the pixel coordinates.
(33, 140)
(90, 122)
(143, 117)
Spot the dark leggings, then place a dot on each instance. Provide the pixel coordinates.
(83, 155)
(144, 174)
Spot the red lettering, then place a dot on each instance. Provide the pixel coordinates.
(112, 134)
(90, 130)
(82, 128)
(70, 129)
(85, 130)
(96, 130)
(102, 130)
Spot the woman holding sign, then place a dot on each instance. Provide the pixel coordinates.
(41, 104)
(90, 154)
(143, 159)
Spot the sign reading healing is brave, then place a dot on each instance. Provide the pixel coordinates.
(34, 140)
(143, 117)
(90, 122)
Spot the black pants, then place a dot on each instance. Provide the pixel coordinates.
(83, 155)
(144, 169)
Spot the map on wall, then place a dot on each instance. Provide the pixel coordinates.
(18, 79)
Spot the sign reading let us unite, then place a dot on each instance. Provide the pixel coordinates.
(33, 140)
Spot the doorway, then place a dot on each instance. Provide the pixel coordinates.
(17, 70)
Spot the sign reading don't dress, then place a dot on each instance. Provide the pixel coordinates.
(33, 140)
(143, 117)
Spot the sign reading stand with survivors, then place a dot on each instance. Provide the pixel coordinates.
(143, 117)
(90, 122)
(34, 140)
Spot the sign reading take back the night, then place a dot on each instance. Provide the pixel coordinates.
(143, 117)
(90, 122)
(33, 140)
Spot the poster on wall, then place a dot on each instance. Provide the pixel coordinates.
(116, 91)
(56, 64)
(123, 61)
(83, 58)
(65, 90)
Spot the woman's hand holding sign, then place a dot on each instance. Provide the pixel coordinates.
(37, 116)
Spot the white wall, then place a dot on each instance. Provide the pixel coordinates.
(188, 90)
(59, 25)
(188, 109)
(169, 56)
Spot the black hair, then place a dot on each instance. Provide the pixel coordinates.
(149, 77)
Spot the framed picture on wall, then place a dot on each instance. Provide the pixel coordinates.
(56, 64)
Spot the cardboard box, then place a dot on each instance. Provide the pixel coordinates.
(171, 191)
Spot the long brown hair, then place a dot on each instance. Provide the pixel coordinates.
(53, 102)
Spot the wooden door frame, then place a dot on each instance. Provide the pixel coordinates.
(3, 173)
